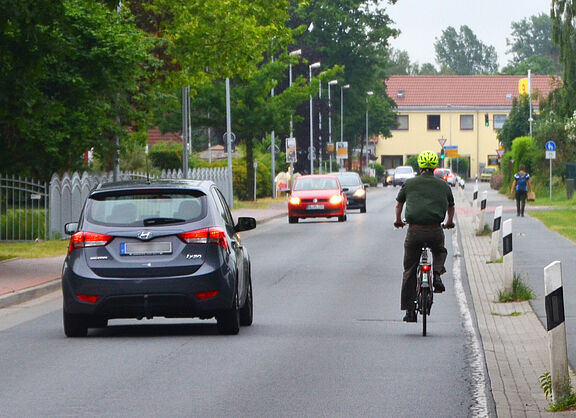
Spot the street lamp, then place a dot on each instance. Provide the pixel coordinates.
(368, 94)
(295, 53)
(310, 67)
(330, 83)
(346, 86)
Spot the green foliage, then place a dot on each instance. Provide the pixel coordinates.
(563, 16)
(546, 384)
(522, 153)
(463, 53)
(379, 169)
(520, 291)
(24, 224)
(372, 181)
(413, 161)
(532, 47)
(517, 123)
(461, 166)
(166, 155)
(562, 404)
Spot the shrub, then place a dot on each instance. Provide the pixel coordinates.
(166, 156)
(497, 180)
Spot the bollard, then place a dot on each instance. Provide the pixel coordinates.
(494, 254)
(480, 228)
(556, 328)
(569, 188)
(475, 203)
(507, 255)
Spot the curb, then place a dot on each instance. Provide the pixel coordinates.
(25, 295)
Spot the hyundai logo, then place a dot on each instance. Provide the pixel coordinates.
(144, 235)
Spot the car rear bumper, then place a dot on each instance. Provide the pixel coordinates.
(137, 297)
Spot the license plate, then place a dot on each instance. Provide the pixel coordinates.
(314, 207)
(145, 248)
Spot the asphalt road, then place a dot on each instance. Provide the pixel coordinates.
(327, 340)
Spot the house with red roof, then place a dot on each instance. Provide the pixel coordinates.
(464, 113)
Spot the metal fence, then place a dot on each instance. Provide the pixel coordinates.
(31, 210)
(23, 205)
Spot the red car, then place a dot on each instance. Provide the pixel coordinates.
(317, 196)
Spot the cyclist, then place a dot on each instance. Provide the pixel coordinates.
(428, 201)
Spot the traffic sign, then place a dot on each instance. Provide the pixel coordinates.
(500, 152)
(550, 146)
(550, 155)
(442, 141)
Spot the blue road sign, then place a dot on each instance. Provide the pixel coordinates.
(550, 146)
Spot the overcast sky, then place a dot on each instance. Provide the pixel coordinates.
(422, 22)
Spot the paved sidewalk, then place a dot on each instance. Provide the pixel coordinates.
(515, 342)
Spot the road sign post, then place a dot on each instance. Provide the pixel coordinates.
(550, 155)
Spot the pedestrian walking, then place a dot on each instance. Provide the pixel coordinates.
(521, 186)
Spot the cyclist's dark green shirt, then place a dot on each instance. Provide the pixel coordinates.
(426, 199)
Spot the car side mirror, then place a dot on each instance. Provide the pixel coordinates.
(366, 185)
(71, 228)
(345, 189)
(245, 224)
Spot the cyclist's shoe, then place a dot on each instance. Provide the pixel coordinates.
(410, 316)
(438, 285)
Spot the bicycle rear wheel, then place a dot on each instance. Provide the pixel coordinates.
(424, 308)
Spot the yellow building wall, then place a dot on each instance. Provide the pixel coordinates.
(477, 143)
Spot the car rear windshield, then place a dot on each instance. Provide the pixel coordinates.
(316, 184)
(148, 208)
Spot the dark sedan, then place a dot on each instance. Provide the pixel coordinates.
(161, 248)
(356, 192)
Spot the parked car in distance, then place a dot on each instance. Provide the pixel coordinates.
(486, 174)
(446, 174)
(156, 249)
(388, 177)
(356, 193)
(317, 196)
(401, 174)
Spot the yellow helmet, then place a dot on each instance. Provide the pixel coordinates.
(428, 159)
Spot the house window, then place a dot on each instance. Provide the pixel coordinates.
(433, 122)
(401, 122)
(466, 122)
(499, 121)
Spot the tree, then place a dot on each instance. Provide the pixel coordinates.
(563, 15)
(463, 53)
(531, 43)
(537, 64)
(69, 69)
(517, 124)
(355, 35)
(400, 63)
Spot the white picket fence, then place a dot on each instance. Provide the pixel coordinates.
(68, 193)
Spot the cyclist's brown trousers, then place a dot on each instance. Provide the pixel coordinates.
(415, 239)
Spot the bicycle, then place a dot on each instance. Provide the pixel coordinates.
(424, 291)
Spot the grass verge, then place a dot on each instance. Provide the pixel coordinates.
(559, 220)
(33, 249)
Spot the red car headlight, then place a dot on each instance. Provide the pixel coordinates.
(294, 200)
(336, 199)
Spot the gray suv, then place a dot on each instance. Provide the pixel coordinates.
(161, 248)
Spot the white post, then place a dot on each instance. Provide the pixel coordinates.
(475, 204)
(507, 255)
(556, 331)
(494, 254)
(482, 212)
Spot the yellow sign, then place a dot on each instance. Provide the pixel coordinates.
(342, 149)
(330, 148)
(523, 86)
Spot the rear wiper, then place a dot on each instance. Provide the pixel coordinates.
(160, 221)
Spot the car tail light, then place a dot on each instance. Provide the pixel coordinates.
(88, 298)
(359, 192)
(84, 239)
(336, 199)
(205, 236)
(294, 200)
(426, 267)
(206, 295)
